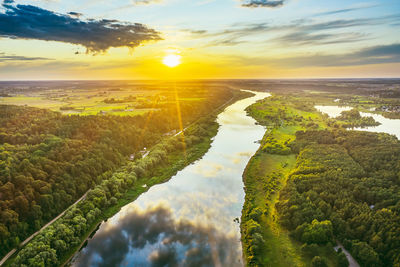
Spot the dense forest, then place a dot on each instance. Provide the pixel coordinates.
(345, 186)
(48, 161)
(322, 183)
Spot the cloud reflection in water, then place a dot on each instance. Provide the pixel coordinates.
(156, 238)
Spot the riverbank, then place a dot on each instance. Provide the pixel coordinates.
(142, 174)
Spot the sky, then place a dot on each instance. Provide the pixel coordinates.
(215, 39)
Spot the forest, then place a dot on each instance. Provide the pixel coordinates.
(348, 181)
(351, 181)
(313, 183)
(49, 160)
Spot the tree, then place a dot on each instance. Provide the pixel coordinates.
(317, 261)
(318, 232)
(365, 254)
(342, 260)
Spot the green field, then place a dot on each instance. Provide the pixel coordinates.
(125, 101)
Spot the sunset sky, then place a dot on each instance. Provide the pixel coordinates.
(128, 39)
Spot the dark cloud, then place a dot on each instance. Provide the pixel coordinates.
(163, 257)
(75, 14)
(31, 22)
(263, 3)
(157, 239)
(381, 51)
(4, 57)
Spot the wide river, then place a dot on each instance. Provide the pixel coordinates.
(189, 220)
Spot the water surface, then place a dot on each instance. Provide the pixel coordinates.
(188, 221)
(390, 126)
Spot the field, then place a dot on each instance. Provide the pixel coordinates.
(110, 98)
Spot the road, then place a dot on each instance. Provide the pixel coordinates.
(352, 261)
(9, 254)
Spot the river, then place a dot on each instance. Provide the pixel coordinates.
(189, 220)
(390, 126)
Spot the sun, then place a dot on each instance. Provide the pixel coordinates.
(172, 60)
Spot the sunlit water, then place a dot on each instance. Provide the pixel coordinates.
(188, 221)
(390, 126)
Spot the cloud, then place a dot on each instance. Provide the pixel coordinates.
(263, 3)
(309, 33)
(369, 55)
(4, 58)
(194, 31)
(146, 2)
(382, 51)
(345, 10)
(154, 238)
(31, 22)
(299, 32)
(305, 38)
(338, 11)
(209, 169)
(75, 14)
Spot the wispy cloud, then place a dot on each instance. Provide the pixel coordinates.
(31, 22)
(305, 38)
(300, 32)
(263, 3)
(146, 2)
(4, 57)
(369, 55)
(345, 10)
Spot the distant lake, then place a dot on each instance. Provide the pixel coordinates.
(189, 220)
(390, 126)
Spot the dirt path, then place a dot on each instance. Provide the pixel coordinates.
(352, 261)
